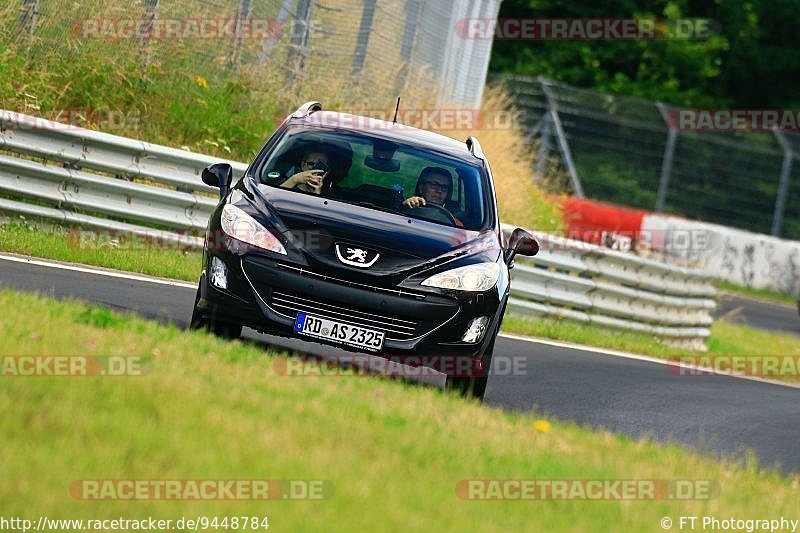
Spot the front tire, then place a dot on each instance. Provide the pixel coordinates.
(474, 387)
(221, 329)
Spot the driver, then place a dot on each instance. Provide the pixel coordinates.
(433, 187)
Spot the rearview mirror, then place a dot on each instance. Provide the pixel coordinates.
(218, 175)
(520, 242)
(382, 158)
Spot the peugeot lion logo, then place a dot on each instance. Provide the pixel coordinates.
(353, 256)
(358, 254)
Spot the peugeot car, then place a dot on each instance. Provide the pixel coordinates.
(363, 234)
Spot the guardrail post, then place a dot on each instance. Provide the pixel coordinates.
(783, 184)
(666, 162)
(552, 104)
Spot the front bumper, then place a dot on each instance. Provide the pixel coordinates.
(266, 295)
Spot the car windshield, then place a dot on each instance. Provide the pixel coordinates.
(379, 174)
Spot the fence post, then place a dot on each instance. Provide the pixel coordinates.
(666, 162)
(27, 19)
(149, 14)
(543, 153)
(242, 16)
(298, 43)
(364, 30)
(552, 105)
(783, 184)
(413, 11)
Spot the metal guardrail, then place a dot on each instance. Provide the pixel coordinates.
(60, 156)
(59, 169)
(590, 284)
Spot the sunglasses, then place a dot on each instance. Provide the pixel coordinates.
(436, 185)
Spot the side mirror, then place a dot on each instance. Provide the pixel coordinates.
(218, 175)
(520, 242)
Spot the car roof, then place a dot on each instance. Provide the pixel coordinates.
(400, 133)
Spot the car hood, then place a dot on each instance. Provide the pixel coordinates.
(315, 225)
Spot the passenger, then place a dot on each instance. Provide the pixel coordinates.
(304, 177)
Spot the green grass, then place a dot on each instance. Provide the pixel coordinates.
(761, 294)
(210, 409)
(60, 243)
(726, 339)
(626, 341)
(738, 339)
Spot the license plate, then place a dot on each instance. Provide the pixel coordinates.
(339, 332)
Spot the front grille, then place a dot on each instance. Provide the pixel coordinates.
(325, 277)
(396, 328)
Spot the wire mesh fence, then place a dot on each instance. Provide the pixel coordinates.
(623, 150)
(378, 47)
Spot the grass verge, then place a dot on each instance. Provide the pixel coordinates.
(761, 294)
(563, 330)
(210, 409)
(55, 242)
(727, 339)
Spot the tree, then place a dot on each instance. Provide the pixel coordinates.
(750, 60)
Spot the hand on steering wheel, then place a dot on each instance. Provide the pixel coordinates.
(417, 202)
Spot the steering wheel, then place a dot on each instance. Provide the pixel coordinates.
(450, 218)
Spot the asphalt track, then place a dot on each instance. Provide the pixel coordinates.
(782, 318)
(722, 415)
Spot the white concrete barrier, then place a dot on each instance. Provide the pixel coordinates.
(738, 256)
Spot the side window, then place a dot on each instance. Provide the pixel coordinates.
(277, 171)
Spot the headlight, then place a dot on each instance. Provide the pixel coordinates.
(479, 277)
(244, 228)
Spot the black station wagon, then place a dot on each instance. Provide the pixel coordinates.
(364, 234)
